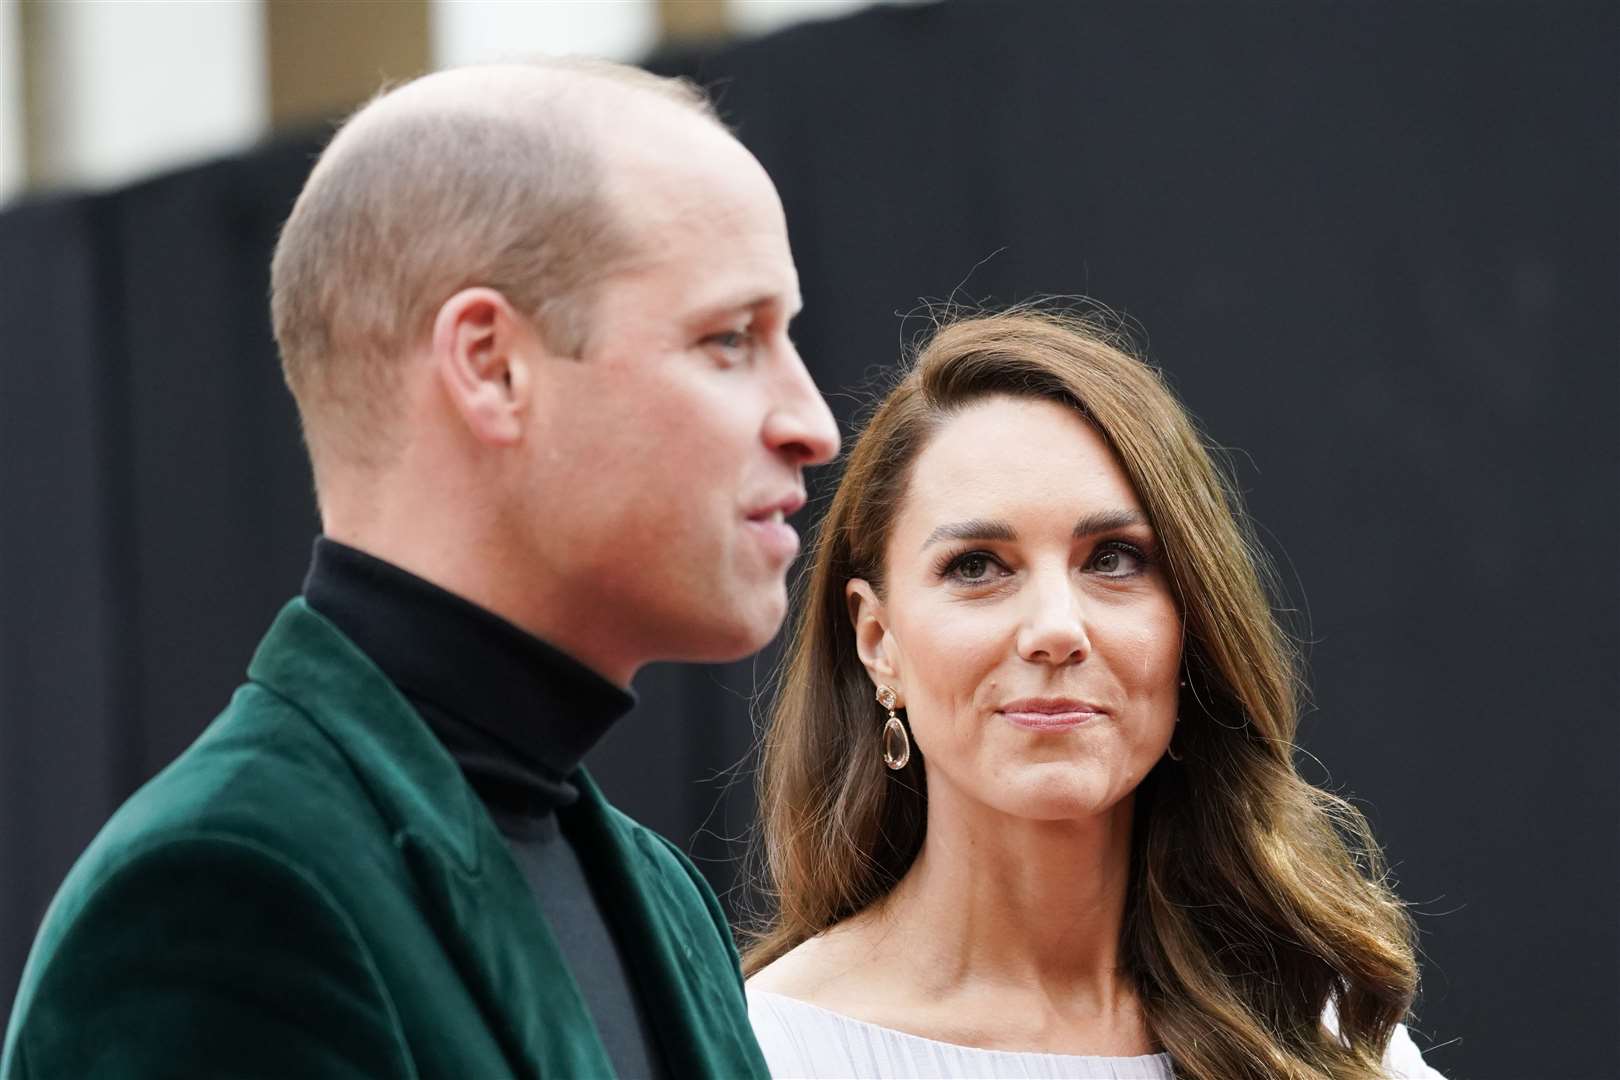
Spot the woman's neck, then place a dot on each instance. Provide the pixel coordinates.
(1011, 902)
(1004, 934)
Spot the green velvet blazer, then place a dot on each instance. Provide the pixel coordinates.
(312, 890)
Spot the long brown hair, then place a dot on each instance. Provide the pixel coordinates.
(1256, 901)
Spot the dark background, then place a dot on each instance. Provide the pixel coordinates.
(1375, 245)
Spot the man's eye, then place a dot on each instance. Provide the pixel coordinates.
(730, 339)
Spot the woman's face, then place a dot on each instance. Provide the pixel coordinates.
(1027, 624)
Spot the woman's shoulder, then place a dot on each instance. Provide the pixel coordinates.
(1402, 1058)
(1404, 1061)
(784, 975)
(815, 969)
(819, 1010)
(809, 1035)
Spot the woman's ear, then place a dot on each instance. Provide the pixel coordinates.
(873, 642)
(482, 350)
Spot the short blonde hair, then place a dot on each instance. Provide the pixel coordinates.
(414, 204)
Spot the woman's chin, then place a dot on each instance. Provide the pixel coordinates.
(1058, 793)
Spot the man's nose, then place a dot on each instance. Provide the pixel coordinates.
(1054, 627)
(800, 424)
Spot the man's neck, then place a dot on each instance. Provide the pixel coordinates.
(518, 714)
(480, 572)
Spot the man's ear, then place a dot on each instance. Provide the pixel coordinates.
(873, 643)
(482, 352)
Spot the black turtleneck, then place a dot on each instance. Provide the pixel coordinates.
(518, 716)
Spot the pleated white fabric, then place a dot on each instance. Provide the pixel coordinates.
(807, 1042)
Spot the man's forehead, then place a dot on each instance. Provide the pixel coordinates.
(680, 205)
(717, 263)
(702, 285)
(686, 169)
(746, 296)
(700, 207)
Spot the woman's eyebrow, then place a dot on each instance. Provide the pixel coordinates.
(975, 529)
(1100, 521)
(1107, 521)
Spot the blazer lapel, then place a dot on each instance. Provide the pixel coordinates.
(507, 953)
(693, 995)
(474, 893)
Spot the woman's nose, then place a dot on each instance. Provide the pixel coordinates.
(1054, 629)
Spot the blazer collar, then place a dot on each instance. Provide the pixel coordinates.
(486, 915)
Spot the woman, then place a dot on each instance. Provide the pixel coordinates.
(1028, 794)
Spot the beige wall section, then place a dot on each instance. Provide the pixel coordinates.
(485, 31)
(32, 43)
(104, 92)
(13, 122)
(763, 16)
(327, 56)
(114, 92)
(681, 21)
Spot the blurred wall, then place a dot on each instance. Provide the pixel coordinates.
(1376, 249)
(13, 176)
(95, 93)
(124, 90)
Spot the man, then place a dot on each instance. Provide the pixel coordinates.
(535, 320)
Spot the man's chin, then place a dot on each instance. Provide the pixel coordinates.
(747, 632)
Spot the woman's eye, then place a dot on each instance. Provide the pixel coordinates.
(973, 568)
(1119, 561)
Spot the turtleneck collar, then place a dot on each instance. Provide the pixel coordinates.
(517, 714)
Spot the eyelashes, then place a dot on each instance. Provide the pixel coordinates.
(1112, 559)
(970, 567)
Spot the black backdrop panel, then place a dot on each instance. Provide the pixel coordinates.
(1375, 246)
(62, 691)
(222, 525)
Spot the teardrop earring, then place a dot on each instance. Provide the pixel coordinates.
(896, 743)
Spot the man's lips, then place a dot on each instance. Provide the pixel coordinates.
(768, 522)
(774, 511)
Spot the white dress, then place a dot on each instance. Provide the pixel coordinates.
(809, 1042)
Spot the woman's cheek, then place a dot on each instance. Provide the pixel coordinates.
(950, 655)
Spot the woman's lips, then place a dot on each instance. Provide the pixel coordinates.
(1043, 714)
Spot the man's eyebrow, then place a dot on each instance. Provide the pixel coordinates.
(790, 305)
(1107, 521)
(975, 529)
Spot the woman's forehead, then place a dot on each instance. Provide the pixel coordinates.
(1013, 458)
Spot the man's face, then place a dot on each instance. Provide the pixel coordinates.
(666, 456)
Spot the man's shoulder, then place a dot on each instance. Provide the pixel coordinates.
(197, 886)
(262, 769)
(261, 778)
(658, 851)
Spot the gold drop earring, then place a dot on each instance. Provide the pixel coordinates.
(896, 743)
